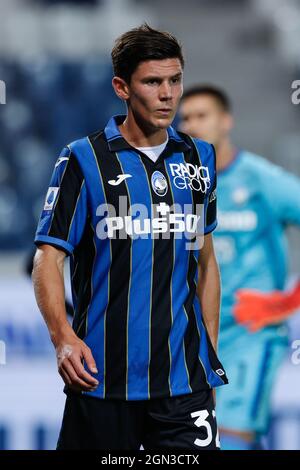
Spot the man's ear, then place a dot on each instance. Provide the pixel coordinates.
(121, 88)
(229, 122)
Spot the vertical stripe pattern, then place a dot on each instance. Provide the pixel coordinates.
(134, 292)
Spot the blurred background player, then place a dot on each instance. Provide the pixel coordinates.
(256, 201)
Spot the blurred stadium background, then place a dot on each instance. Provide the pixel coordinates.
(55, 62)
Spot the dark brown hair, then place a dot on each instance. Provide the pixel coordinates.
(141, 44)
(219, 95)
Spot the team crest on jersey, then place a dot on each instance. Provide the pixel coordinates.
(159, 183)
(50, 198)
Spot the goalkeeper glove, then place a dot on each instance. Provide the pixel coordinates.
(256, 309)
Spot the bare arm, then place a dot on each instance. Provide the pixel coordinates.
(209, 289)
(48, 281)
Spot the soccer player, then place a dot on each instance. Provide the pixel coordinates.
(256, 201)
(131, 205)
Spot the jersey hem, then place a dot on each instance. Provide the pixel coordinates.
(144, 398)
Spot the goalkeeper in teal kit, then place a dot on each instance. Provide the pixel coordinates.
(256, 201)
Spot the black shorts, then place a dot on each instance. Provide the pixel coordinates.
(181, 422)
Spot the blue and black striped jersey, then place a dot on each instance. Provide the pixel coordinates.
(132, 228)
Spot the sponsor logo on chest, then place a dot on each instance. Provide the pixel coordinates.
(187, 175)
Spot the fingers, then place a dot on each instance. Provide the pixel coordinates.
(81, 372)
(72, 379)
(66, 378)
(90, 362)
(70, 357)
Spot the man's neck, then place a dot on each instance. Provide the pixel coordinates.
(225, 154)
(136, 136)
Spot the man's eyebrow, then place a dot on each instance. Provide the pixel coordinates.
(177, 75)
(156, 77)
(152, 77)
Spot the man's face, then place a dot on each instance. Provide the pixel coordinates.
(203, 117)
(154, 92)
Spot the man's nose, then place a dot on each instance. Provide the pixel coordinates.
(165, 91)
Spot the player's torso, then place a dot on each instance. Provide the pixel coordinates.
(140, 234)
(140, 195)
(142, 217)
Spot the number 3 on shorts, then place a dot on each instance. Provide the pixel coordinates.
(201, 421)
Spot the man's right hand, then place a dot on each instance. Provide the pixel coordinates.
(48, 281)
(71, 352)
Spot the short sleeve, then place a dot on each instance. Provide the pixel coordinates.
(64, 214)
(210, 202)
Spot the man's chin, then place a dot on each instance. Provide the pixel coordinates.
(163, 123)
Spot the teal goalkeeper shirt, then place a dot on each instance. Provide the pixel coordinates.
(257, 200)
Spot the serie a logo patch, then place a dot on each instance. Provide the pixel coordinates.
(50, 198)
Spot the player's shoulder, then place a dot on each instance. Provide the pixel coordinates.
(257, 164)
(200, 144)
(205, 150)
(207, 156)
(74, 154)
(78, 146)
(204, 147)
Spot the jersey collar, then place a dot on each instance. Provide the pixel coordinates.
(117, 142)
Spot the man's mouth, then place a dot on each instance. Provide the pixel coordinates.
(165, 110)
